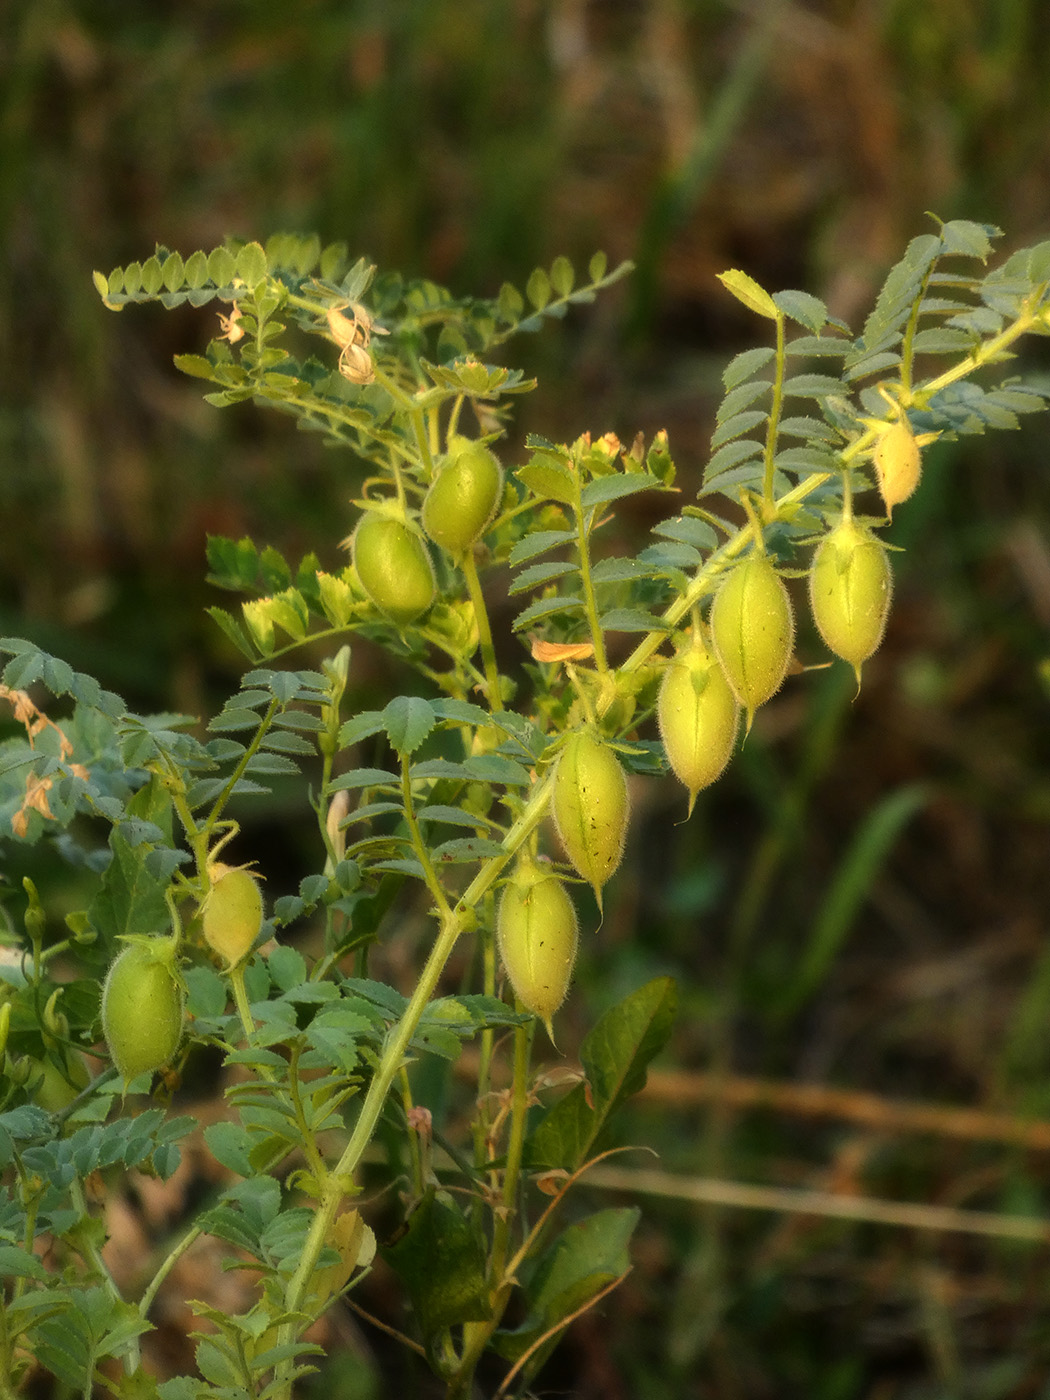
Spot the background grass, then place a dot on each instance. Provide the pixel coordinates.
(861, 902)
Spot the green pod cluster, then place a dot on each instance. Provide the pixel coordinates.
(142, 1011)
(591, 807)
(462, 499)
(850, 588)
(698, 717)
(537, 934)
(393, 567)
(753, 629)
(232, 913)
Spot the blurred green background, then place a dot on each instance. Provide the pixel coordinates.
(862, 901)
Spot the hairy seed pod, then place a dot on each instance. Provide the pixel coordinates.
(393, 566)
(232, 913)
(850, 586)
(462, 499)
(898, 463)
(142, 1013)
(58, 1086)
(537, 934)
(698, 717)
(591, 807)
(752, 628)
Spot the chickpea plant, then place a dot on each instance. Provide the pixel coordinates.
(499, 803)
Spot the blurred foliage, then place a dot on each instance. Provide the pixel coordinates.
(802, 140)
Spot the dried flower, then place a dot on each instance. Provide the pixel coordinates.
(231, 331)
(562, 651)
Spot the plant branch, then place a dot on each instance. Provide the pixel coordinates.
(340, 1180)
(242, 764)
(773, 426)
(590, 601)
(481, 615)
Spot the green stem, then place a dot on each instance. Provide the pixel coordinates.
(453, 417)
(773, 427)
(170, 1260)
(555, 305)
(590, 602)
(6, 1357)
(430, 635)
(476, 1335)
(340, 1180)
(986, 352)
(481, 616)
(197, 838)
(419, 846)
(414, 1152)
(409, 406)
(308, 1141)
(908, 341)
(244, 1013)
(702, 581)
(748, 503)
(242, 764)
(516, 1141)
(488, 1042)
(92, 1254)
(31, 1202)
(332, 419)
(188, 1239)
(240, 1000)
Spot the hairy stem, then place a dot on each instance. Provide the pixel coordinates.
(985, 353)
(590, 602)
(773, 427)
(339, 1180)
(481, 616)
(476, 1335)
(242, 764)
(419, 846)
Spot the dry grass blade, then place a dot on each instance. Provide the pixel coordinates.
(872, 1110)
(741, 1195)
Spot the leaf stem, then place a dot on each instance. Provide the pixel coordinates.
(419, 846)
(584, 519)
(702, 581)
(242, 764)
(773, 426)
(986, 352)
(339, 1180)
(481, 615)
(93, 1255)
(476, 1335)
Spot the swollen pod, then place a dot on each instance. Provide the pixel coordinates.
(850, 588)
(752, 628)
